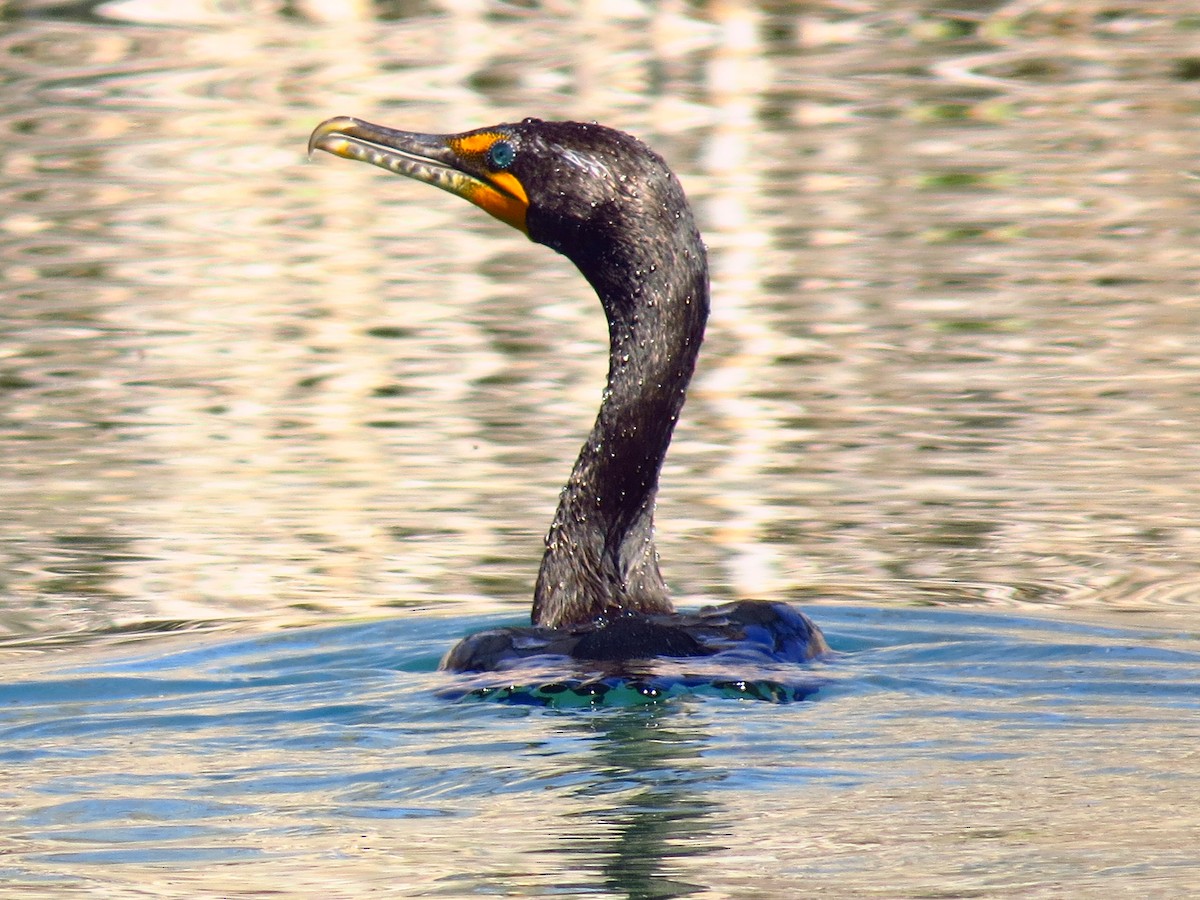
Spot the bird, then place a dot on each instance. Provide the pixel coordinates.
(613, 207)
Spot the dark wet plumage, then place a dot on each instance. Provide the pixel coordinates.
(613, 207)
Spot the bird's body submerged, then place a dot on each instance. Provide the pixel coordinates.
(614, 208)
(752, 630)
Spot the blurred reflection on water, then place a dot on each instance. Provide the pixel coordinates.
(951, 357)
(952, 360)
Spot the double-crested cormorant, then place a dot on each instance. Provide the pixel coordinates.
(611, 205)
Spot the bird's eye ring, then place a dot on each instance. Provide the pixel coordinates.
(501, 154)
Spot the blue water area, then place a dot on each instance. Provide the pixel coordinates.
(334, 751)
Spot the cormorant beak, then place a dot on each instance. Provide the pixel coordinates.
(453, 162)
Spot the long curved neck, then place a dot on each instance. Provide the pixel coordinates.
(600, 558)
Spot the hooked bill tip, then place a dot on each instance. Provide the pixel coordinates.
(329, 128)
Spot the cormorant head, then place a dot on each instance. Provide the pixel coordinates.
(611, 205)
(578, 188)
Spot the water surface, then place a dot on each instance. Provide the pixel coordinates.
(948, 752)
(275, 433)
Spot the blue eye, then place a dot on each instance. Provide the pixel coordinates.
(501, 154)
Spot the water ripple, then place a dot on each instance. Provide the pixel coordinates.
(144, 754)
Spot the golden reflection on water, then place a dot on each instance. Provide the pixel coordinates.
(950, 359)
(951, 362)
